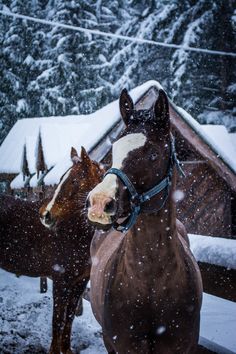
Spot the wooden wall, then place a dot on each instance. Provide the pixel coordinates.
(206, 206)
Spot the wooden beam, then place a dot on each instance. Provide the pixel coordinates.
(218, 281)
(201, 147)
(40, 162)
(43, 285)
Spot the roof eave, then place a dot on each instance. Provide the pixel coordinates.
(198, 142)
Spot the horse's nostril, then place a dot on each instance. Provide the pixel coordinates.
(87, 203)
(110, 207)
(47, 217)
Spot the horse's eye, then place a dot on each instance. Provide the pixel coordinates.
(153, 156)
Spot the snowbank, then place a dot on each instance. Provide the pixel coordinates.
(25, 319)
(214, 250)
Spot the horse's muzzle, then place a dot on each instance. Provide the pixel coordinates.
(47, 219)
(102, 227)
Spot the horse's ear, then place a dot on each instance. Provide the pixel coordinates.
(84, 156)
(74, 156)
(126, 106)
(161, 110)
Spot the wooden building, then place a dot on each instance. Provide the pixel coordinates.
(36, 153)
(208, 206)
(206, 198)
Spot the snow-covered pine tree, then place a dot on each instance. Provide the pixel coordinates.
(49, 70)
(20, 49)
(202, 83)
(13, 51)
(69, 84)
(8, 81)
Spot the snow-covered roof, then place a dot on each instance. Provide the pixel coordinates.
(216, 136)
(99, 122)
(233, 140)
(26, 131)
(30, 143)
(57, 140)
(19, 181)
(58, 134)
(222, 141)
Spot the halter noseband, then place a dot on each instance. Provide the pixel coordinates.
(137, 199)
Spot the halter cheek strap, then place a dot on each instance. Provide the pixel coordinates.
(137, 199)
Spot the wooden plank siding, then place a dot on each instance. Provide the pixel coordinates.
(198, 145)
(206, 206)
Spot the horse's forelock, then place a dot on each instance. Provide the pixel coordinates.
(143, 115)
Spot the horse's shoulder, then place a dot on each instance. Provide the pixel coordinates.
(104, 251)
(104, 248)
(103, 241)
(182, 232)
(190, 263)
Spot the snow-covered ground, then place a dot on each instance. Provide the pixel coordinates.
(25, 321)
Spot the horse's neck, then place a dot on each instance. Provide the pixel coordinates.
(154, 236)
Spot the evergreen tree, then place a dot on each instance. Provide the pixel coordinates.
(203, 83)
(47, 70)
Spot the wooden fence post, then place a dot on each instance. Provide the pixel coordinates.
(43, 285)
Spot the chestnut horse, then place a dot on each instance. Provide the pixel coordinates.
(146, 288)
(60, 251)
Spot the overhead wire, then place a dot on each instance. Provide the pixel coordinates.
(137, 40)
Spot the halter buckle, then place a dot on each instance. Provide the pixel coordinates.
(135, 200)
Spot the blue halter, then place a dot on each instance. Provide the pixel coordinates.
(137, 199)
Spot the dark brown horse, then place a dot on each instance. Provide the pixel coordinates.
(60, 251)
(146, 288)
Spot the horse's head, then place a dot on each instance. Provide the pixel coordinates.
(70, 195)
(142, 154)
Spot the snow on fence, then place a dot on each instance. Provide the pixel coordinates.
(217, 262)
(214, 250)
(218, 325)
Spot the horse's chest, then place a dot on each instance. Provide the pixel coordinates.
(141, 294)
(136, 308)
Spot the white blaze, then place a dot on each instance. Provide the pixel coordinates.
(120, 150)
(122, 147)
(57, 191)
